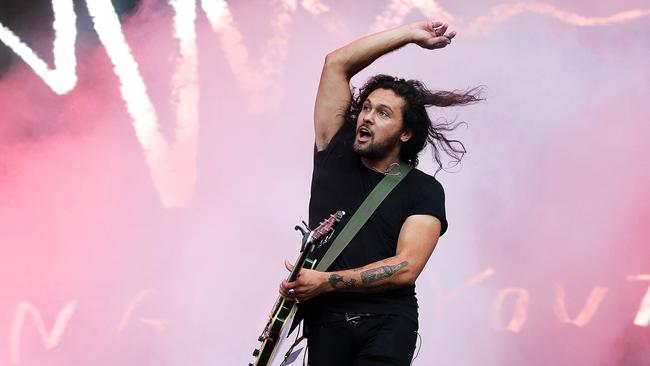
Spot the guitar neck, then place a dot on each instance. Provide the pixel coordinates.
(284, 309)
(300, 262)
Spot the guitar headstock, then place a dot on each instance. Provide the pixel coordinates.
(326, 227)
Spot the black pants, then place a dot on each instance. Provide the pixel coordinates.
(348, 340)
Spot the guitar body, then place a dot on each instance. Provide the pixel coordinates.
(277, 328)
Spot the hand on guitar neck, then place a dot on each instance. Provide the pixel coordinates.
(309, 284)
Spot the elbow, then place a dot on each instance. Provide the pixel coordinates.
(407, 272)
(408, 277)
(332, 59)
(334, 62)
(410, 281)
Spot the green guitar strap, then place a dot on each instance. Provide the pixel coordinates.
(367, 208)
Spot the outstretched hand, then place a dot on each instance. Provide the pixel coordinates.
(431, 35)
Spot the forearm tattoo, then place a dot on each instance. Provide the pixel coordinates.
(336, 279)
(378, 274)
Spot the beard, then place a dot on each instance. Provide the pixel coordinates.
(376, 150)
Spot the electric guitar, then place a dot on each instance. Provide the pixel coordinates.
(283, 310)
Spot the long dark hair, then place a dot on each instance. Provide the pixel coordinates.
(417, 98)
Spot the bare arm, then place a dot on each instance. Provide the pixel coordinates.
(417, 239)
(340, 66)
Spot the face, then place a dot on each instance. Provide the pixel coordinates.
(380, 126)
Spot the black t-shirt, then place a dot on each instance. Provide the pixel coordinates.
(340, 181)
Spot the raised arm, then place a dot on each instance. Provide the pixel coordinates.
(333, 97)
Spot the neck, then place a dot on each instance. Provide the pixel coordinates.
(381, 165)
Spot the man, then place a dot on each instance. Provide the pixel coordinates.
(363, 310)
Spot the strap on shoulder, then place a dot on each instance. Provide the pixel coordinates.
(367, 208)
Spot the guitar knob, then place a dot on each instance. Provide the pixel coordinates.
(256, 352)
(261, 338)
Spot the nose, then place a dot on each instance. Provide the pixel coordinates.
(369, 117)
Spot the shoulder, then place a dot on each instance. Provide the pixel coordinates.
(427, 196)
(426, 183)
(340, 145)
(343, 136)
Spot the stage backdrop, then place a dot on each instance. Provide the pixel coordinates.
(155, 156)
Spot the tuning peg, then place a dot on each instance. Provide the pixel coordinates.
(261, 338)
(256, 352)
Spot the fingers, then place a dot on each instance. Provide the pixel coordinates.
(285, 287)
(288, 265)
(442, 38)
(441, 29)
(436, 24)
(290, 290)
(298, 294)
(306, 285)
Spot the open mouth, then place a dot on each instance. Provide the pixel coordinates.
(364, 134)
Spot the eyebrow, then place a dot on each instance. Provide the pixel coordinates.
(380, 104)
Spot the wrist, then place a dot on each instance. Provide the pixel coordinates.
(409, 31)
(328, 285)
